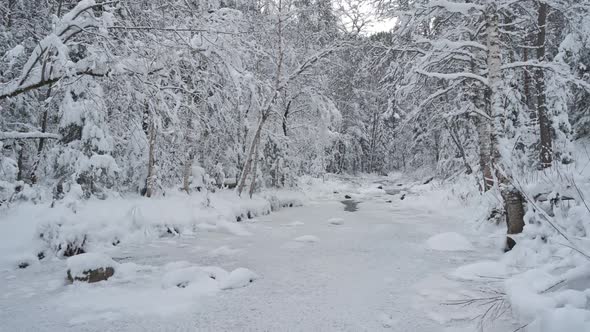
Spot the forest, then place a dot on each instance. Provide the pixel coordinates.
(132, 121)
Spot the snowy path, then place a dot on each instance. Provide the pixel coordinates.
(371, 271)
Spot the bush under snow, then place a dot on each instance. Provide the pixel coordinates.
(96, 225)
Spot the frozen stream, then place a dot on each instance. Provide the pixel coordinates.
(321, 269)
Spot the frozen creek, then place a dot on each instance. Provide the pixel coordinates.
(320, 268)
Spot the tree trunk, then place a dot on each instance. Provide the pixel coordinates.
(546, 148)
(514, 208)
(265, 112)
(150, 180)
(251, 150)
(254, 173)
(455, 138)
(527, 85)
(483, 127)
(285, 115)
(9, 13)
(494, 63)
(42, 139)
(485, 152)
(19, 162)
(513, 202)
(187, 173)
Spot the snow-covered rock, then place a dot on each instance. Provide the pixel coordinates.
(240, 277)
(336, 221)
(90, 267)
(205, 279)
(215, 272)
(449, 242)
(193, 277)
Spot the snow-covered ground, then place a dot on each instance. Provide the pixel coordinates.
(391, 265)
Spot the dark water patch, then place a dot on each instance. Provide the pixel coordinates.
(350, 205)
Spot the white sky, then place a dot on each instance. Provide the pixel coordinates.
(379, 26)
(367, 12)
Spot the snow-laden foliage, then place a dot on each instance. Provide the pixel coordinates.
(125, 96)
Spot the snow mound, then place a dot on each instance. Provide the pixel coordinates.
(79, 264)
(308, 239)
(224, 251)
(205, 279)
(387, 321)
(336, 221)
(232, 228)
(479, 270)
(24, 260)
(192, 277)
(240, 277)
(215, 272)
(176, 265)
(449, 242)
(562, 319)
(295, 223)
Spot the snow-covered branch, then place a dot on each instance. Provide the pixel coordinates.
(27, 135)
(454, 76)
(309, 62)
(456, 7)
(554, 67)
(447, 44)
(13, 89)
(49, 61)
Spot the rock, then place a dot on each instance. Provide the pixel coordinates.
(90, 276)
(380, 187)
(510, 243)
(347, 196)
(90, 267)
(428, 180)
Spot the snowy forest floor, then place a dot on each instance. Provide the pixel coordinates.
(321, 268)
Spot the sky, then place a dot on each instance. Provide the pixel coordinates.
(380, 26)
(366, 11)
